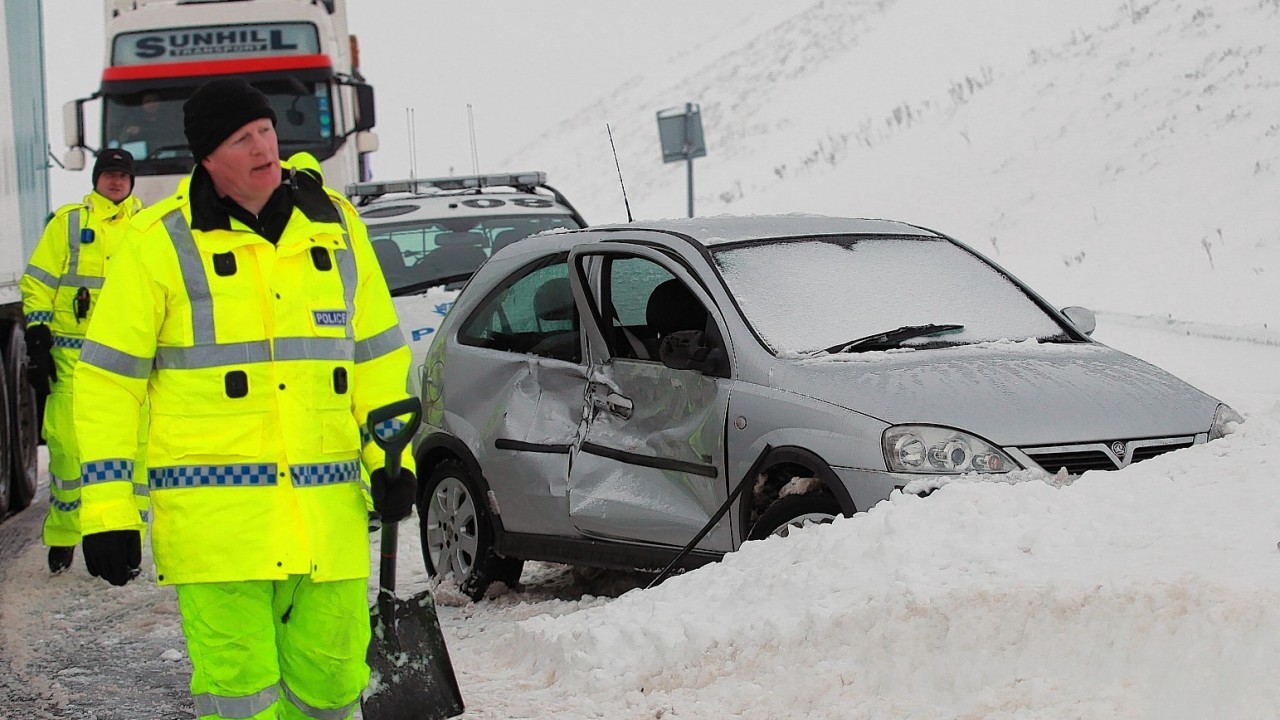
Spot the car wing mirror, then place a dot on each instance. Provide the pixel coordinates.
(690, 350)
(1082, 318)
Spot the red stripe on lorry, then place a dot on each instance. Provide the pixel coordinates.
(216, 67)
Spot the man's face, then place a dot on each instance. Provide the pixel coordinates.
(114, 185)
(246, 166)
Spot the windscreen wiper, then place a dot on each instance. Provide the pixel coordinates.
(893, 338)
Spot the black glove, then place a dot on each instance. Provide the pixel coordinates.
(393, 499)
(40, 368)
(114, 555)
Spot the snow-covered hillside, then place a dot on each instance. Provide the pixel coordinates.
(1120, 154)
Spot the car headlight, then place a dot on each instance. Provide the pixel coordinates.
(929, 449)
(1224, 421)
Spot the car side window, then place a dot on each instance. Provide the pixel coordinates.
(531, 313)
(646, 302)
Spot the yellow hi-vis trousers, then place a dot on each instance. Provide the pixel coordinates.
(62, 523)
(275, 650)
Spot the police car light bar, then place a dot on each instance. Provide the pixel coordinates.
(459, 182)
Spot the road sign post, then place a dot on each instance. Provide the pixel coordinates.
(680, 132)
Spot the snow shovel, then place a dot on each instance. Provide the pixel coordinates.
(412, 677)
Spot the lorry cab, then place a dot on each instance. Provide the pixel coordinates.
(297, 52)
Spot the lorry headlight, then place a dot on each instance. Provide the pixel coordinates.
(930, 449)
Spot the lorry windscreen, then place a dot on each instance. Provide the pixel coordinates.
(148, 123)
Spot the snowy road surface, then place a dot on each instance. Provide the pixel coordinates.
(73, 647)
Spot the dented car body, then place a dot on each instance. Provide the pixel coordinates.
(615, 395)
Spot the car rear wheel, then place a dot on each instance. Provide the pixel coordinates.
(457, 533)
(795, 511)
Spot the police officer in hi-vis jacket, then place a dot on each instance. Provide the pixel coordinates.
(59, 295)
(252, 312)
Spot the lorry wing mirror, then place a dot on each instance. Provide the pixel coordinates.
(74, 159)
(73, 124)
(366, 142)
(365, 115)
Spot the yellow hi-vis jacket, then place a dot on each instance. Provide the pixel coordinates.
(261, 363)
(65, 260)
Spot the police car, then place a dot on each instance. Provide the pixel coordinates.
(431, 235)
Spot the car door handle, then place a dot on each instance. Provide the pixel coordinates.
(616, 404)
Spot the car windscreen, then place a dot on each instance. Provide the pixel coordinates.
(807, 295)
(415, 256)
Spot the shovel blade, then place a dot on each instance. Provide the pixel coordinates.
(412, 677)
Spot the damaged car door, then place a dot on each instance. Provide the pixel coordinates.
(648, 464)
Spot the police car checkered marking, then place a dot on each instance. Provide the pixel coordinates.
(190, 476)
(324, 473)
(106, 471)
(40, 316)
(68, 342)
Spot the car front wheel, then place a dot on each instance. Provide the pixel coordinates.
(795, 511)
(457, 534)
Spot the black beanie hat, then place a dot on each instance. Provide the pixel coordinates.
(219, 108)
(113, 159)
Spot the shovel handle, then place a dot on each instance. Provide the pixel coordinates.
(393, 445)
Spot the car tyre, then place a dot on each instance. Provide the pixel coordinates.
(457, 533)
(795, 511)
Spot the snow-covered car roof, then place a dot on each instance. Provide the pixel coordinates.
(732, 228)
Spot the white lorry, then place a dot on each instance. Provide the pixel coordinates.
(158, 52)
(24, 208)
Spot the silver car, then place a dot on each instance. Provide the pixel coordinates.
(616, 395)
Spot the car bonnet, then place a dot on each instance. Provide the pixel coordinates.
(1024, 393)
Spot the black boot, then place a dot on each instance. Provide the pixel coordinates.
(60, 558)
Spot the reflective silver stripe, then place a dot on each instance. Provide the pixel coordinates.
(384, 342)
(245, 706)
(325, 473)
(42, 276)
(304, 348)
(347, 272)
(112, 360)
(73, 241)
(113, 470)
(140, 489)
(193, 276)
(63, 484)
(191, 476)
(318, 713)
(88, 281)
(195, 358)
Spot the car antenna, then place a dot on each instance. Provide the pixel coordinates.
(619, 166)
(475, 158)
(413, 144)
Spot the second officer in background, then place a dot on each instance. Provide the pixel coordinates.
(59, 292)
